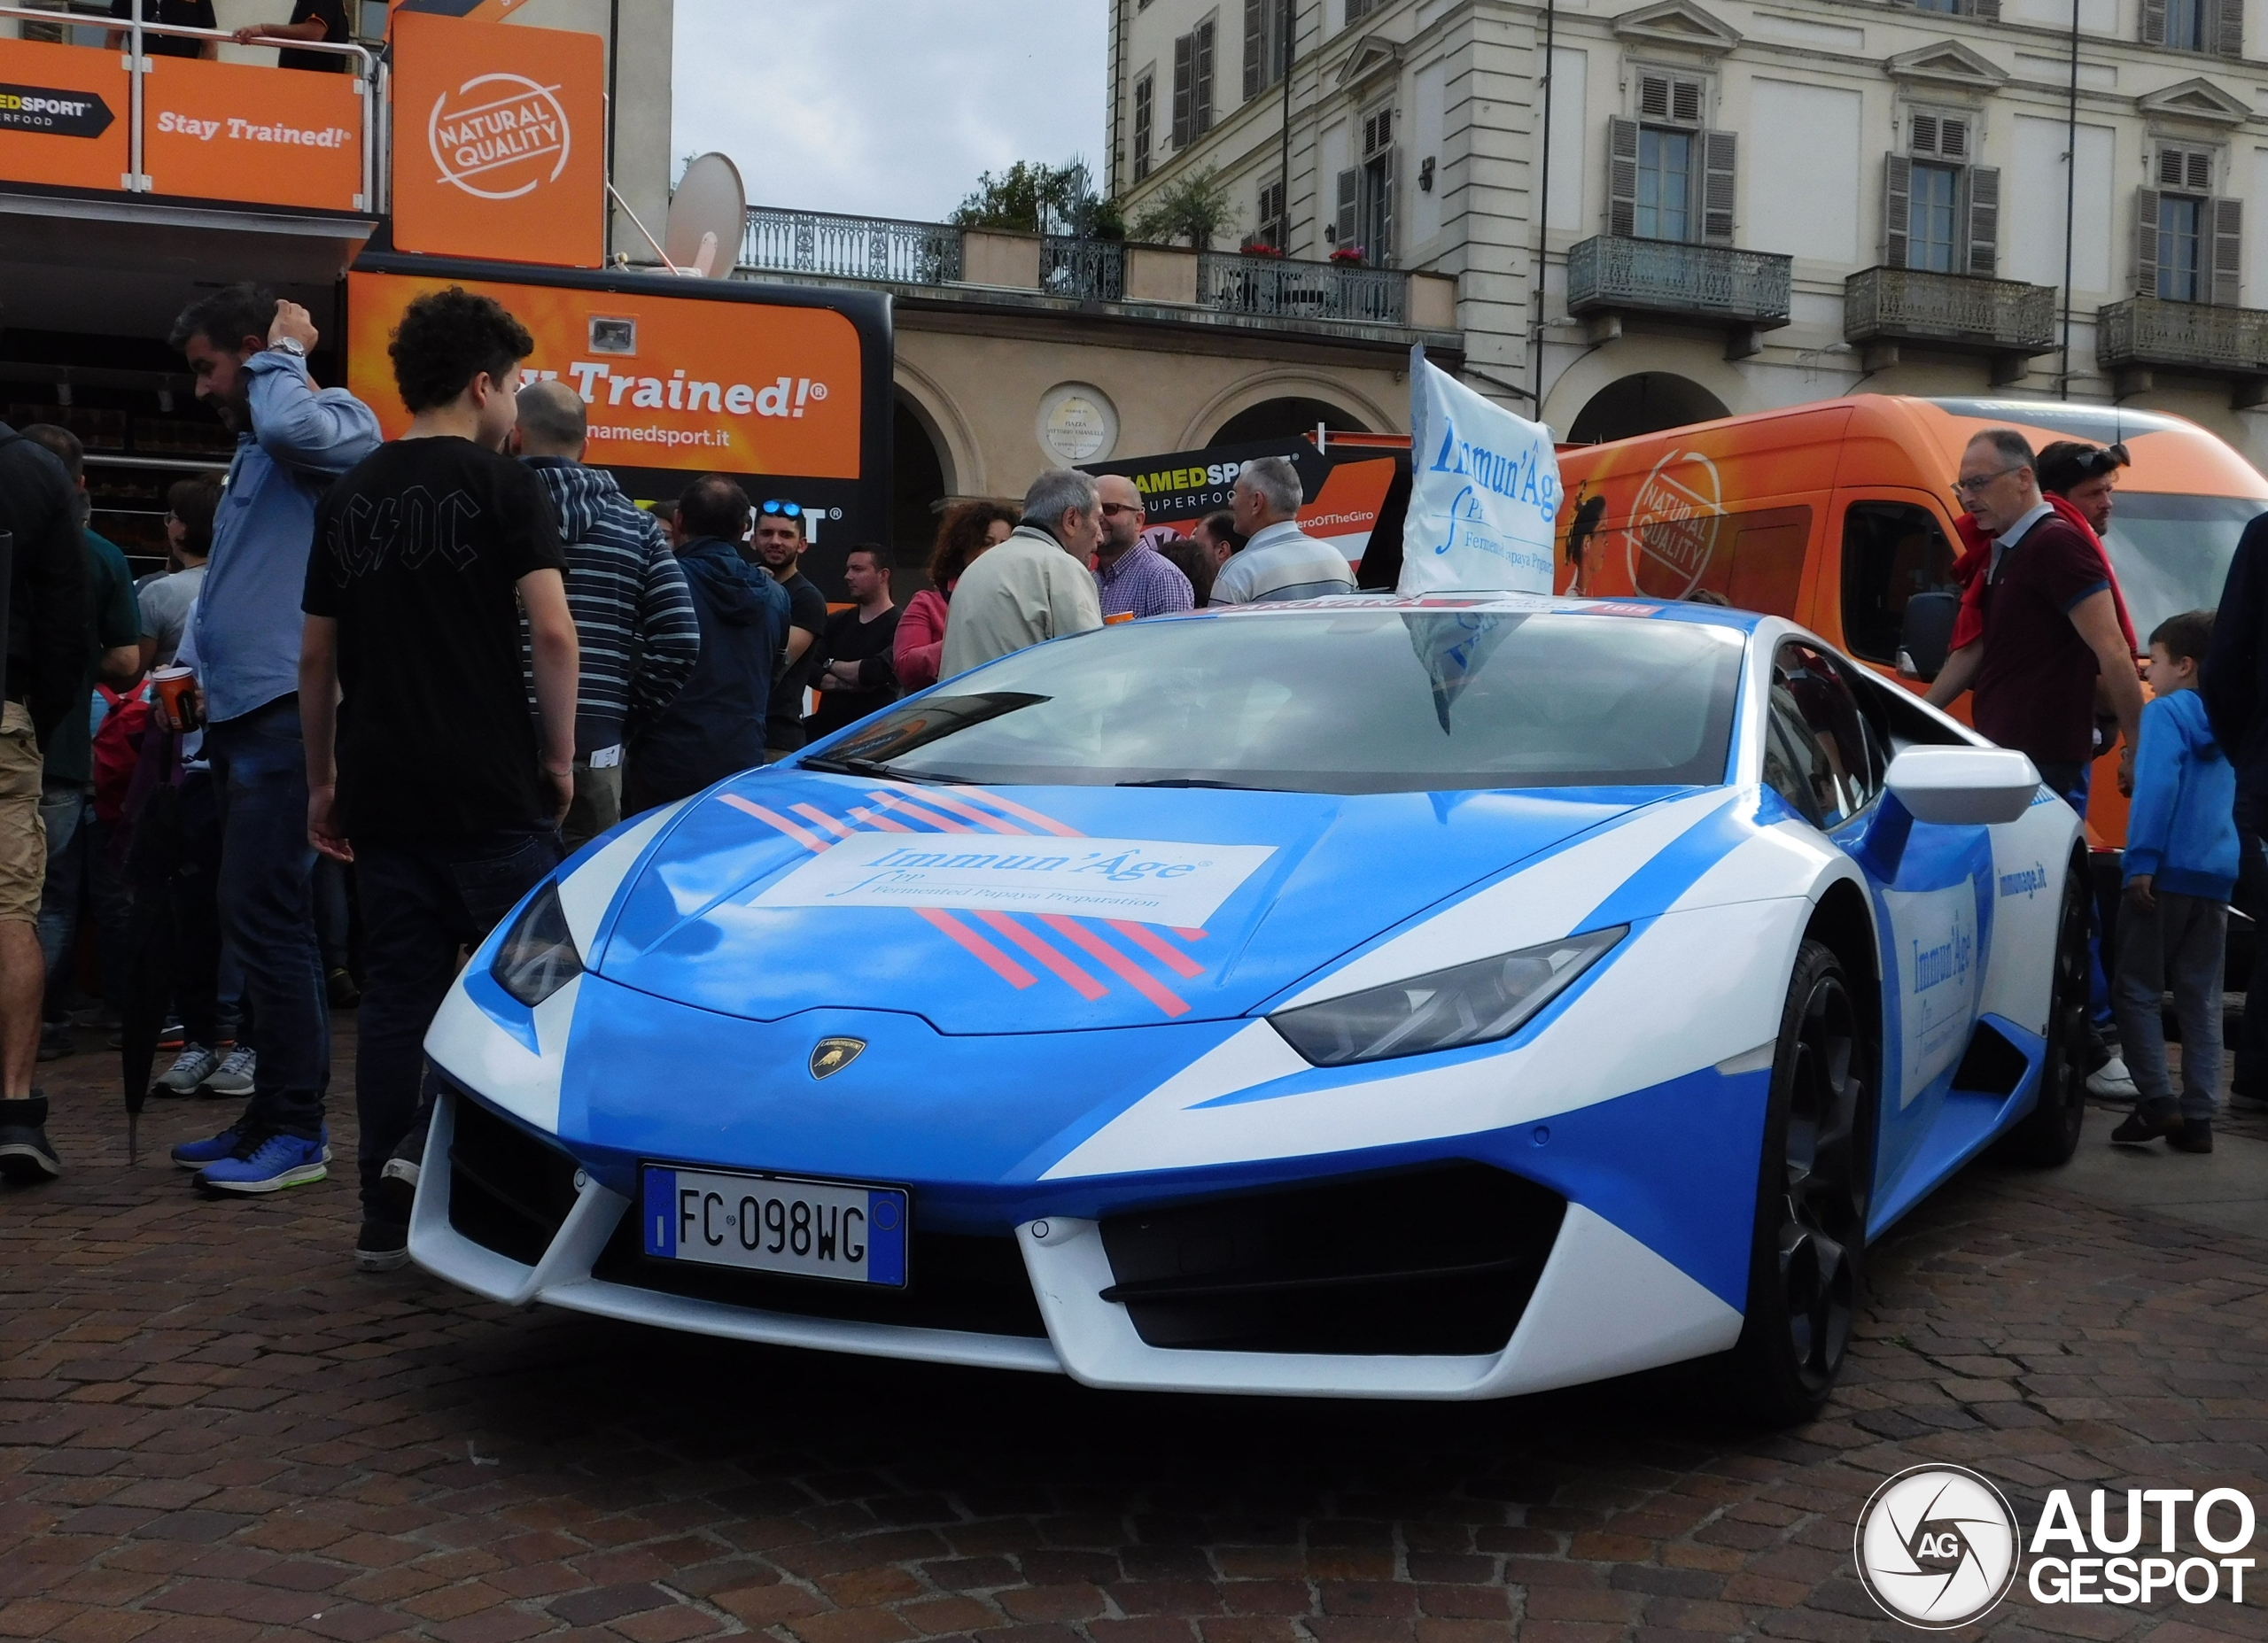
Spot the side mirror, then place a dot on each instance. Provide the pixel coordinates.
(1963, 786)
(1927, 635)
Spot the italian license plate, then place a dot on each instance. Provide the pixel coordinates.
(846, 1230)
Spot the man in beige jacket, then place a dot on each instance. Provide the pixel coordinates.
(1035, 586)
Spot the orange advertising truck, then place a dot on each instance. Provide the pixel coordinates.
(787, 388)
(1837, 513)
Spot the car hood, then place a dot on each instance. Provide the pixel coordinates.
(1047, 909)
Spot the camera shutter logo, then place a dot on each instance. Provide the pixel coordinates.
(1936, 1547)
(500, 136)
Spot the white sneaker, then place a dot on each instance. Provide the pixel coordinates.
(233, 1077)
(191, 1068)
(2112, 1082)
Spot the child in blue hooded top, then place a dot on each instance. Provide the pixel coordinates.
(2181, 865)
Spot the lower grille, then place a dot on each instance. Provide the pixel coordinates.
(508, 1191)
(1429, 1262)
(954, 1282)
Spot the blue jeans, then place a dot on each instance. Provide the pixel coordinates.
(260, 773)
(422, 900)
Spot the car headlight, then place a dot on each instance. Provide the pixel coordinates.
(538, 955)
(1468, 1005)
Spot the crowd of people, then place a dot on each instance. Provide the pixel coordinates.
(385, 686)
(428, 668)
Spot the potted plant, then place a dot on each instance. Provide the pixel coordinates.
(1260, 248)
(1347, 255)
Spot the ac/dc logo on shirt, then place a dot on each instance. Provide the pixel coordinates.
(410, 526)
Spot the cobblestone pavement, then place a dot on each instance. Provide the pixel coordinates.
(212, 1427)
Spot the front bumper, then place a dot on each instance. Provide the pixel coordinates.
(1601, 1303)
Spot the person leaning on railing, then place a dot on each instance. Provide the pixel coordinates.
(323, 21)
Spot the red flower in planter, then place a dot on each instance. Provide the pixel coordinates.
(1347, 255)
(1260, 248)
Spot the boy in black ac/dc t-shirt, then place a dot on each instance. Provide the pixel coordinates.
(424, 767)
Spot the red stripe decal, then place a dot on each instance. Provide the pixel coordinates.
(1189, 935)
(946, 801)
(1048, 953)
(862, 814)
(1007, 968)
(1172, 958)
(1046, 823)
(1125, 968)
(822, 818)
(912, 811)
(801, 834)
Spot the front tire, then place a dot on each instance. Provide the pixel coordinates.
(1807, 1264)
(2049, 1133)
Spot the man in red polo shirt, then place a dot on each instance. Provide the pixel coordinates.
(2051, 626)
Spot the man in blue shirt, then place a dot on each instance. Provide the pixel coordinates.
(248, 352)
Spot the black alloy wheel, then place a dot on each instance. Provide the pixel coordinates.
(1807, 1264)
(2049, 1133)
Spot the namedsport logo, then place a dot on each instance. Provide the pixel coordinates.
(1936, 1546)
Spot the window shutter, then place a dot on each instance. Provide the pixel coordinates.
(1685, 101)
(1925, 134)
(2146, 242)
(1184, 54)
(1989, 11)
(1984, 220)
(1953, 139)
(1382, 253)
(1256, 47)
(2228, 252)
(1201, 80)
(2153, 22)
(1897, 208)
(2197, 170)
(2228, 28)
(1342, 221)
(1622, 178)
(1653, 96)
(1718, 152)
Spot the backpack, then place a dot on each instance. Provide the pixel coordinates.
(117, 748)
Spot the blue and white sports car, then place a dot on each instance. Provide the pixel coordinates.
(1442, 997)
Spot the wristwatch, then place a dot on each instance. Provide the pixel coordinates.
(288, 345)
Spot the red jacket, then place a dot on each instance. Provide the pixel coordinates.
(920, 641)
(1968, 571)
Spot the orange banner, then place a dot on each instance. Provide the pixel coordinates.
(232, 131)
(670, 382)
(65, 114)
(500, 142)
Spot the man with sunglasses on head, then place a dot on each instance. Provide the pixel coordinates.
(2051, 625)
(779, 543)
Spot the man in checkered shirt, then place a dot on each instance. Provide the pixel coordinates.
(1133, 578)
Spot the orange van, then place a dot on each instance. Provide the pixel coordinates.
(1835, 513)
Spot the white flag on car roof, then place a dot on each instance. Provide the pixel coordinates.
(1484, 492)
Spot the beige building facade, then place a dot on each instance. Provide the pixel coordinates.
(1663, 211)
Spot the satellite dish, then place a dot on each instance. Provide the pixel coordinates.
(708, 215)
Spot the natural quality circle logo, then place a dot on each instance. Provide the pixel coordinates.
(1936, 1546)
(498, 135)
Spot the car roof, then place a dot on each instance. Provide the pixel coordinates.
(1486, 603)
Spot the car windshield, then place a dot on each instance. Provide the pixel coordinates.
(1339, 701)
(2172, 552)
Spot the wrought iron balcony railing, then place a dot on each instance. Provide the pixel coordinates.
(1607, 274)
(2147, 331)
(1094, 270)
(1280, 288)
(851, 248)
(1948, 310)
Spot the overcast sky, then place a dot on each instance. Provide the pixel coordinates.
(887, 107)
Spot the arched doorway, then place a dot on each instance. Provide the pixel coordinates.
(1279, 419)
(917, 484)
(1643, 404)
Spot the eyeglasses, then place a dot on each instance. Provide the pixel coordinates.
(1111, 510)
(1974, 483)
(793, 510)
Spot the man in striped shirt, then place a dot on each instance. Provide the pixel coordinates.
(633, 613)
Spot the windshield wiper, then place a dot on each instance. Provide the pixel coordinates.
(878, 769)
(1194, 781)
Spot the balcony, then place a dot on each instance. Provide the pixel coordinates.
(1282, 288)
(1091, 270)
(1740, 292)
(2006, 320)
(2145, 334)
(821, 244)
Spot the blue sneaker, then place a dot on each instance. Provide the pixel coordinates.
(266, 1163)
(197, 1154)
